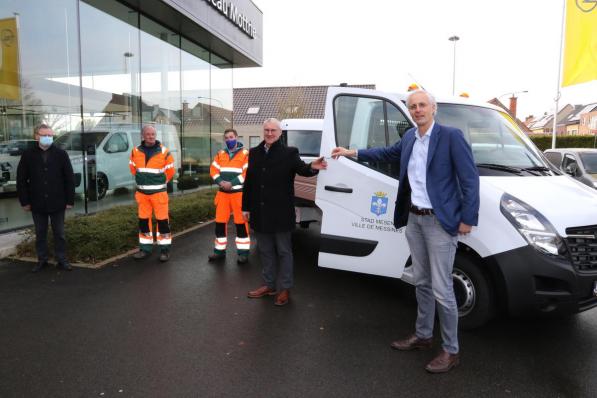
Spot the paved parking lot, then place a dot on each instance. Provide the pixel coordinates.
(186, 329)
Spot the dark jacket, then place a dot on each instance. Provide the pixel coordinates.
(47, 186)
(269, 187)
(452, 177)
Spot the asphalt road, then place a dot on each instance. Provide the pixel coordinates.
(186, 329)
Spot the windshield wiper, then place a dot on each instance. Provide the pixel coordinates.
(501, 167)
(537, 168)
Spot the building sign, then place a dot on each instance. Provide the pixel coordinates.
(230, 11)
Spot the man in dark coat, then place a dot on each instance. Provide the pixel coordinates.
(268, 205)
(46, 188)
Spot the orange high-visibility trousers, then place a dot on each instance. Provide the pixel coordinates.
(227, 203)
(153, 203)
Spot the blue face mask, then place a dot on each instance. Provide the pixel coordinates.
(231, 144)
(46, 140)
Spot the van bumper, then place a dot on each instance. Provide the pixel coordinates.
(534, 282)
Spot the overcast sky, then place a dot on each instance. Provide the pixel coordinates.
(505, 46)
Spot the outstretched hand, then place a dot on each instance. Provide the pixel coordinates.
(319, 164)
(340, 151)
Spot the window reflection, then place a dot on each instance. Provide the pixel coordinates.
(131, 70)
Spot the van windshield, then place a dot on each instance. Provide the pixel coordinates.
(494, 137)
(308, 142)
(589, 160)
(76, 141)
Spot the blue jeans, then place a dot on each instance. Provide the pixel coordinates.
(41, 236)
(275, 251)
(432, 251)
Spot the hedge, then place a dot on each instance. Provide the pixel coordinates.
(94, 238)
(543, 142)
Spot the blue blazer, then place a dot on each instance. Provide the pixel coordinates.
(452, 177)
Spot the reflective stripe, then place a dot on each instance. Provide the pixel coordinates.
(165, 241)
(145, 240)
(243, 240)
(216, 176)
(222, 240)
(245, 166)
(237, 187)
(231, 170)
(164, 149)
(220, 247)
(150, 187)
(149, 170)
(168, 166)
(243, 246)
(132, 163)
(214, 164)
(241, 179)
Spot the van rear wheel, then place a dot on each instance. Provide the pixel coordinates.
(474, 293)
(98, 188)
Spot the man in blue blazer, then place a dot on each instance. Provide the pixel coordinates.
(438, 199)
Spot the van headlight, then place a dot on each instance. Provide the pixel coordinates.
(532, 225)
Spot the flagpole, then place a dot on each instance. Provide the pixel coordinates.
(558, 93)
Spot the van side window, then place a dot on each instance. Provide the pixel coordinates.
(365, 122)
(117, 143)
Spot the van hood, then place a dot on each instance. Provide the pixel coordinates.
(564, 201)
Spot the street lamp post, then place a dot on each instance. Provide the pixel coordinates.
(454, 39)
(513, 94)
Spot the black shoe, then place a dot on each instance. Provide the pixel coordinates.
(164, 256)
(140, 255)
(242, 259)
(216, 256)
(38, 267)
(64, 266)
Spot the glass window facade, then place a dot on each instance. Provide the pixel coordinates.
(96, 71)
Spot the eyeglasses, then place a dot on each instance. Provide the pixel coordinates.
(270, 130)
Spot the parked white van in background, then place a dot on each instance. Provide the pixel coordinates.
(108, 148)
(535, 248)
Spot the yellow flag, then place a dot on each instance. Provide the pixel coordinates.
(580, 47)
(9, 60)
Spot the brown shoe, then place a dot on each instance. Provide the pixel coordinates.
(412, 343)
(443, 362)
(260, 292)
(282, 298)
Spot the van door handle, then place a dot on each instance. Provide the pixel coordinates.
(338, 189)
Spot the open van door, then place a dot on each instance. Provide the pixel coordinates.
(357, 198)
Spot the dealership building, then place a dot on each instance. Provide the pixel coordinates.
(97, 70)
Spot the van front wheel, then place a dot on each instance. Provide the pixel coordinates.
(474, 293)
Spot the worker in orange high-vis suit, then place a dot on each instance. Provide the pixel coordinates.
(153, 166)
(228, 170)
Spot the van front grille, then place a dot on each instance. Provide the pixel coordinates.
(582, 244)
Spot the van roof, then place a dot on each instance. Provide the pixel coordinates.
(302, 124)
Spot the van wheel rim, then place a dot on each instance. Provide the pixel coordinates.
(102, 186)
(464, 289)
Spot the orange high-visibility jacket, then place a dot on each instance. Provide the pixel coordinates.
(151, 175)
(233, 170)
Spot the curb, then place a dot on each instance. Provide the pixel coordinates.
(107, 261)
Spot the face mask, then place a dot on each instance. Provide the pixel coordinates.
(231, 144)
(46, 140)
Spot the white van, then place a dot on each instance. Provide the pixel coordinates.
(535, 248)
(108, 149)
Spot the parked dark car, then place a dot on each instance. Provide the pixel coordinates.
(580, 163)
